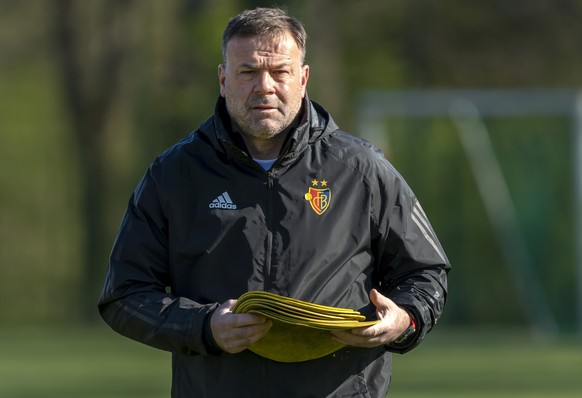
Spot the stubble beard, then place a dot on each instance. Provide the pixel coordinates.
(262, 128)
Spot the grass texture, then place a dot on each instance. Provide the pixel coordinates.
(96, 363)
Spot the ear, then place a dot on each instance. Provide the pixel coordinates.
(222, 78)
(304, 79)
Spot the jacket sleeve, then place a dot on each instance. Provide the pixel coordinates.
(412, 266)
(135, 300)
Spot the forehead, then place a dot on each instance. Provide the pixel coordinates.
(282, 47)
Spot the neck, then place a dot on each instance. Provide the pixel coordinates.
(268, 148)
(265, 149)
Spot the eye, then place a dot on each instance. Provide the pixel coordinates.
(280, 74)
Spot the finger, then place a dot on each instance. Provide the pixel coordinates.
(241, 320)
(368, 331)
(250, 331)
(234, 327)
(239, 339)
(380, 301)
(234, 332)
(346, 337)
(225, 307)
(375, 296)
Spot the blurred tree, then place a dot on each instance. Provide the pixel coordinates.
(135, 80)
(177, 78)
(489, 44)
(324, 52)
(92, 39)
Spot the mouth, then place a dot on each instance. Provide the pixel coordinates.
(263, 105)
(264, 109)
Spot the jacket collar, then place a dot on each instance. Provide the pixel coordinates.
(315, 123)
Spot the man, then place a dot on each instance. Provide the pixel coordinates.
(268, 194)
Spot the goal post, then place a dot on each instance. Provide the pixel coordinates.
(375, 108)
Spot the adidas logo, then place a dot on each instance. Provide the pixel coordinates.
(223, 201)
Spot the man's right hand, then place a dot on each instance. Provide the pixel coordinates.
(235, 332)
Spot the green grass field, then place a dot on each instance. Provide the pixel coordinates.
(96, 363)
(481, 364)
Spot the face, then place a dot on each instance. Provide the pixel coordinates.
(263, 83)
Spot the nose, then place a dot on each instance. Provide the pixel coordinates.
(264, 83)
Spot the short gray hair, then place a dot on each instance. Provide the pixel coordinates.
(265, 22)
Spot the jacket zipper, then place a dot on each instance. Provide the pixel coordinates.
(269, 218)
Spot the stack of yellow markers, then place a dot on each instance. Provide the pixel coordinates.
(300, 330)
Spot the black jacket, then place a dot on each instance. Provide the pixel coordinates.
(331, 220)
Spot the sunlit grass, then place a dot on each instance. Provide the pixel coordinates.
(97, 363)
(80, 362)
(481, 364)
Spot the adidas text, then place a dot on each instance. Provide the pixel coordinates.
(223, 201)
(222, 206)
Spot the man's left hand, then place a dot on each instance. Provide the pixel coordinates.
(393, 322)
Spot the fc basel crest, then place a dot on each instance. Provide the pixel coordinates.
(319, 198)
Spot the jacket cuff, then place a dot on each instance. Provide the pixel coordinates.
(414, 339)
(207, 338)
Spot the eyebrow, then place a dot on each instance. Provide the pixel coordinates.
(249, 65)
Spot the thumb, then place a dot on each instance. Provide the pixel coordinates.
(377, 299)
